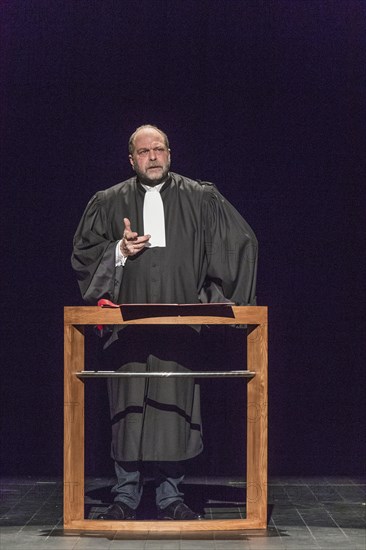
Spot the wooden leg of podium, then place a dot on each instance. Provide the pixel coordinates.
(73, 426)
(257, 410)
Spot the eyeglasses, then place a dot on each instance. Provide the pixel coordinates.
(157, 150)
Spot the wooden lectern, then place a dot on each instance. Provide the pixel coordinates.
(75, 318)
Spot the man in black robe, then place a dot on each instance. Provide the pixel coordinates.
(159, 238)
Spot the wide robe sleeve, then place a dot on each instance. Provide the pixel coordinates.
(93, 256)
(231, 251)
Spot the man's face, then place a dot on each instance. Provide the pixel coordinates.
(151, 157)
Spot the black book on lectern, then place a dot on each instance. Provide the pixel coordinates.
(144, 311)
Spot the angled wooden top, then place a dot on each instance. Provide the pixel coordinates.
(95, 315)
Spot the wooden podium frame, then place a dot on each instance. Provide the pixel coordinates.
(75, 318)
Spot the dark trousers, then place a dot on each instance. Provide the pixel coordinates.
(129, 486)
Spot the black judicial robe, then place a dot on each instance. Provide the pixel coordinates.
(210, 255)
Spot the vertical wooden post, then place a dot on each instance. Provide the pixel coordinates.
(73, 426)
(257, 433)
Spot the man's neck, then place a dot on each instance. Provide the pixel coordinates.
(155, 185)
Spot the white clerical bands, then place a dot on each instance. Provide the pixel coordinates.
(154, 220)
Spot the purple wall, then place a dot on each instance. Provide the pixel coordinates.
(264, 98)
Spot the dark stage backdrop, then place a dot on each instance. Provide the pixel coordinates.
(264, 98)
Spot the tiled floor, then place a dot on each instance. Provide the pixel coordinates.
(304, 514)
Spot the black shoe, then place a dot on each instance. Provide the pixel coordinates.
(118, 510)
(177, 510)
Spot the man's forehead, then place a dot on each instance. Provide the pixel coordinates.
(148, 135)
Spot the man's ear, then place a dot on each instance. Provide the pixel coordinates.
(131, 161)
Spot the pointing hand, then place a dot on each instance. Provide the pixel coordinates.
(131, 242)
